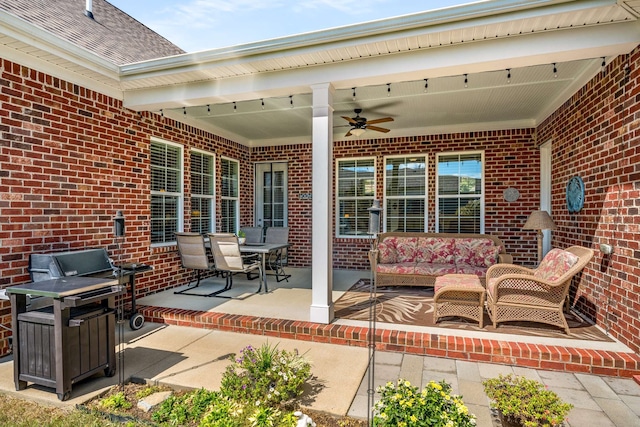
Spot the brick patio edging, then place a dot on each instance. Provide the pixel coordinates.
(537, 356)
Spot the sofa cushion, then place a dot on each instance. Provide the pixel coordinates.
(471, 269)
(387, 252)
(434, 269)
(476, 252)
(406, 249)
(555, 263)
(437, 250)
(397, 268)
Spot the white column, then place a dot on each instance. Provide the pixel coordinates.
(322, 197)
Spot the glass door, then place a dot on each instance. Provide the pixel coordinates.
(271, 195)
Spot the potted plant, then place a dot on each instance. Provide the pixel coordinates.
(242, 237)
(522, 402)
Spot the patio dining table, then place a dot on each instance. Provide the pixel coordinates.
(263, 249)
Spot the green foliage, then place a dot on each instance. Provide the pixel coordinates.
(265, 376)
(403, 405)
(187, 407)
(526, 401)
(241, 234)
(116, 401)
(148, 391)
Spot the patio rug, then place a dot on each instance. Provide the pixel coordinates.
(414, 306)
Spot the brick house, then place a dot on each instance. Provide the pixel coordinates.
(100, 114)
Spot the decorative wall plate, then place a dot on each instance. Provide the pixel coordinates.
(575, 194)
(511, 194)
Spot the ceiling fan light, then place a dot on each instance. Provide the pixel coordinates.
(357, 132)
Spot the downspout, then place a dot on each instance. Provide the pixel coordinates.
(89, 9)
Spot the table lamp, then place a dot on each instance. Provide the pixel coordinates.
(539, 220)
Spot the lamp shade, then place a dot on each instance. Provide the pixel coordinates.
(539, 220)
(357, 131)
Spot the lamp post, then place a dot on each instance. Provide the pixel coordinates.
(374, 229)
(539, 220)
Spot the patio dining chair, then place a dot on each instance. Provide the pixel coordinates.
(278, 259)
(253, 234)
(516, 293)
(194, 256)
(229, 260)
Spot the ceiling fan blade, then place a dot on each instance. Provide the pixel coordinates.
(382, 120)
(349, 119)
(377, 129)
(348, 133)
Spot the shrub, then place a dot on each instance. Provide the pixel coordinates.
(403, 405)
(526, 401)
(265, 376)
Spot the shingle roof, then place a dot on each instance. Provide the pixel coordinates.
(112, 34)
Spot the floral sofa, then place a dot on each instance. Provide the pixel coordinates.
(416, 259)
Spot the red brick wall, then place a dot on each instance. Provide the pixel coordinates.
(505, 152)
(69, 159)
(596, 135)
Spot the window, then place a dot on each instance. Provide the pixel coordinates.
(356, 191)
(166, 191)
(405, 193)
(202, 197)
(230, 217)
(460, 187)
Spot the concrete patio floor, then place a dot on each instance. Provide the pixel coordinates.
(192, 357)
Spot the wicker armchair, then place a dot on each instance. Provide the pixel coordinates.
(535, 295)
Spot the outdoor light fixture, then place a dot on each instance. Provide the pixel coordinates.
(374, 217)
(357, 132)
(388, 90)
(426, 85)
(466, 81)
(118, 224)
(539, 220)
(354, 93)
(555, 70)
(508, 75)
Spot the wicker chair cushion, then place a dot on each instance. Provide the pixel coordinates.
(476, 252)
(555, 264)
(436, 250)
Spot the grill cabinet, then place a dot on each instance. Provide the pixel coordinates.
(71, 339)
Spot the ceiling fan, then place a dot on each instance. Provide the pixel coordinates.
(360, 124)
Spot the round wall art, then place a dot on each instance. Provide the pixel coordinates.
(511, 194)
(575, 194)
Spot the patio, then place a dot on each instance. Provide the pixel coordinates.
(283, 312)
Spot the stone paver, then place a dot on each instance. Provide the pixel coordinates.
(598, 401)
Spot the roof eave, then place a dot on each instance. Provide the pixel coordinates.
(43, 40)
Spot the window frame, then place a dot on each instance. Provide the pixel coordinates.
(405, 197)
(338, 199)
(224, 198)
(480, 196)
(179, 196)
(210, 197)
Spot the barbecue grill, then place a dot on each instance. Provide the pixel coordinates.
(64, 320)
(93, 262)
